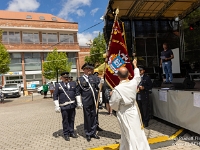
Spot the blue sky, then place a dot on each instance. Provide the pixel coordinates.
(85, 12)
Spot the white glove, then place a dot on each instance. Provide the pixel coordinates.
(79, 102)
(100, 98)
(57, 108)
(102, 81)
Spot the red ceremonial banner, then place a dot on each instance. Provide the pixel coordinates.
(117, 56)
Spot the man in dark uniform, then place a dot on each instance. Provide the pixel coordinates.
(86, 87)
(71, 78)
(98, 80)
(64, 98)
(143, 95)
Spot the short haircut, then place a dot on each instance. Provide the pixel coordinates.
(166, 44)
(123, 74)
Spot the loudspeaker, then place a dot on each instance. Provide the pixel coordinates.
(157, 83)
(188, 84)
(183, 83)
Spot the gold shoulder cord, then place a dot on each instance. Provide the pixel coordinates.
(82, 87)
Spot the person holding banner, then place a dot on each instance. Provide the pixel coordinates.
(123, 101)
(97, 80)
(86, 88)
(64, 99)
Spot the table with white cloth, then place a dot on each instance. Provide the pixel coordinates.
(178, 107)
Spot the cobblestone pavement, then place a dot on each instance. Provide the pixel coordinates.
(32, 124)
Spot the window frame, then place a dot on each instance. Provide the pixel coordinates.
(70, 40)
(34, 41)
(47, 37)
(8, 38)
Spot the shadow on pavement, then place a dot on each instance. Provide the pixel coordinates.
(80, 130)
(6, 101)
(161, 126)
(103, 113)
(58, 133)
(109, 134)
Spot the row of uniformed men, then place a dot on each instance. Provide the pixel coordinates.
(81, 94)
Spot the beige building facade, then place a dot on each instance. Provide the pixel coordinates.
(29, 37)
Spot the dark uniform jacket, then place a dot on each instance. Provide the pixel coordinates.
(84, 90)
(60, 95)
(97, 80)
(147, 83)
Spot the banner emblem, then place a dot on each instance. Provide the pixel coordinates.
(115, 62)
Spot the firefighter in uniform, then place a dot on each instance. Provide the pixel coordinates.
(65, 102)
(86, 87)
(143, 95)
(97, 80)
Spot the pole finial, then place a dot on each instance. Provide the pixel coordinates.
(117, 11)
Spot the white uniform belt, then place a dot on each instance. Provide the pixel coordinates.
(67, 103)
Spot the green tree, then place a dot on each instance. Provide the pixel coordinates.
(192, 36)
(4, 58)
(56, 62)
(98, 48)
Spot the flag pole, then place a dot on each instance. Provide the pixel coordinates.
(104, 72)
(106, 61)
(116, 13)
(124, 33)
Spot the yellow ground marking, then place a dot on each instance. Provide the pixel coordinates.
(150, 140)
(164, 138)
(108, 147)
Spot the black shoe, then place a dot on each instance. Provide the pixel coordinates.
(99, 129)
(67, 137)
(100, 107)
(73, 135)
(146, 124)
(166, 82)
(88, 138)
(95, 136)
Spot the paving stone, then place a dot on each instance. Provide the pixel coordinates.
(30, 125)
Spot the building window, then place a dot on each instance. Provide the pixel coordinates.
(15, 62)
(28, 17)
(30, 37)
(5, 37)
(49, 38)
(67, 38)
(42, 18)
(29, 76)
(72, 58)
(45, 56)
(32, 61)
(54, 19)
(38, 76)
(71, 38)
(11, 37)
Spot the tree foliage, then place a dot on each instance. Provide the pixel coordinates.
(98, 48)
(4, 58)
(191, 26)
(56, 62)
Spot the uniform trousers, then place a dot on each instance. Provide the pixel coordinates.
(68, 118)
(144, 110)
(90, 119)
